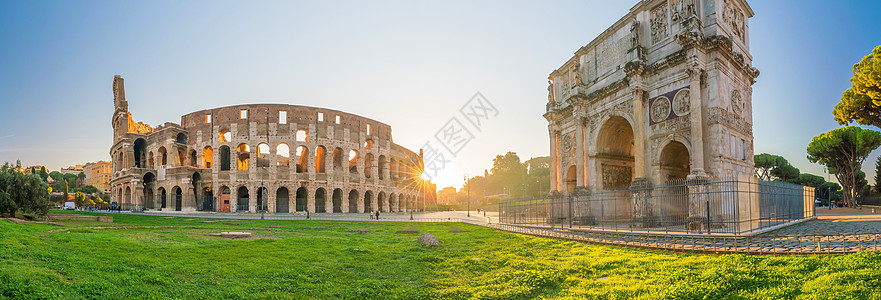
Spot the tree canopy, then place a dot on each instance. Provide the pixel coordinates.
(862, 102)
(843, 151)
(19, 191)
(766, 163)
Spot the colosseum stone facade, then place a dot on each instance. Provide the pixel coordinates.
(260, 158)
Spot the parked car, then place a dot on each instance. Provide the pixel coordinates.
(69, 206)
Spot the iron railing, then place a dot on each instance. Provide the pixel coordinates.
(726, 205)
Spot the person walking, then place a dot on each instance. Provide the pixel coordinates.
(377, 215)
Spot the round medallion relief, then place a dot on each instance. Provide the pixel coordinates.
(682, 103)
(660, 109)
(567, 143)
(737, 104)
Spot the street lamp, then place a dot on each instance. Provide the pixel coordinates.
(468, 192)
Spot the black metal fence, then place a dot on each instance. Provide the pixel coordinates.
(724, 205)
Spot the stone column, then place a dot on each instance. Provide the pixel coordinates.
(271, 199)
(555, 160)
(697, 123)
(579, 152)
(639, 138)
(252, 198)
(310, 201)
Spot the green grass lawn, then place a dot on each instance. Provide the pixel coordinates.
(174, 258)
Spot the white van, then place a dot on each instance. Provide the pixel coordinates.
(69, 206)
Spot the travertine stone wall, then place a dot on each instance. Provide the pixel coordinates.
(663, 94)
(187, 159)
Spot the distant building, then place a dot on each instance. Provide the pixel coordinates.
(447, 196)
(98, 175)
(76, 169)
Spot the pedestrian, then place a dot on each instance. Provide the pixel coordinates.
(371, 215)
(377, 215)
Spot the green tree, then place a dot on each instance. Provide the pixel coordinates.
(508, 173)
(26, 192)
(766, 163)
(55, 175)
(81, 179)
(843, 151)
(829, 191)
(88, 189)
(862, 102)
(80, 199)
(785, 173)
(810, 180)
(43, 174)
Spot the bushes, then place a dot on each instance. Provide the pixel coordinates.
(26, 192)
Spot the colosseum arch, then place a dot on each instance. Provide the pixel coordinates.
(368, 202)
(383, 167)
(262, 155)
(225, 162)
(208, 157)
(337, 159)
(242, 199)
(302, 136)
(320, 200)
(353, 201)
(140, 156)
(381, 201)
(302, 199)
(262, 199)
(181, 138)
(163, 198)
(178, 197)
(614, 146)
(368, 165)
(320, 154)
(193, 160)
(282, 201)
(225, 199)
(337, 200)
(353, 161)
(283, 155)
(244, 156)
(302, 159)
(163, 156)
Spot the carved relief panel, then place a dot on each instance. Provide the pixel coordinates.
(659, 23)
(734, 19)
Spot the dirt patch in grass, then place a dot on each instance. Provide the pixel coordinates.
(213, 221)
(363, 230)
(457, 229)
(18, 221)
(412, 229)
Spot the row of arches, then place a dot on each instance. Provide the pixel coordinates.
(615, 147)
(284, 200)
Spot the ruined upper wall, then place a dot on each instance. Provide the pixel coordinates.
(301, 116)
(649, 31)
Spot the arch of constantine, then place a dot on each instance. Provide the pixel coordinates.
(260, 157)
(664, 94)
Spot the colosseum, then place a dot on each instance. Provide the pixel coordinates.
(274, 158)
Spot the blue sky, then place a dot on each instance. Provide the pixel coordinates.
(408, 64)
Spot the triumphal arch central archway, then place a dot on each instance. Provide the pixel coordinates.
(664, 94)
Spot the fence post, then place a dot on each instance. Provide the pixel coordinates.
(570, 210)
